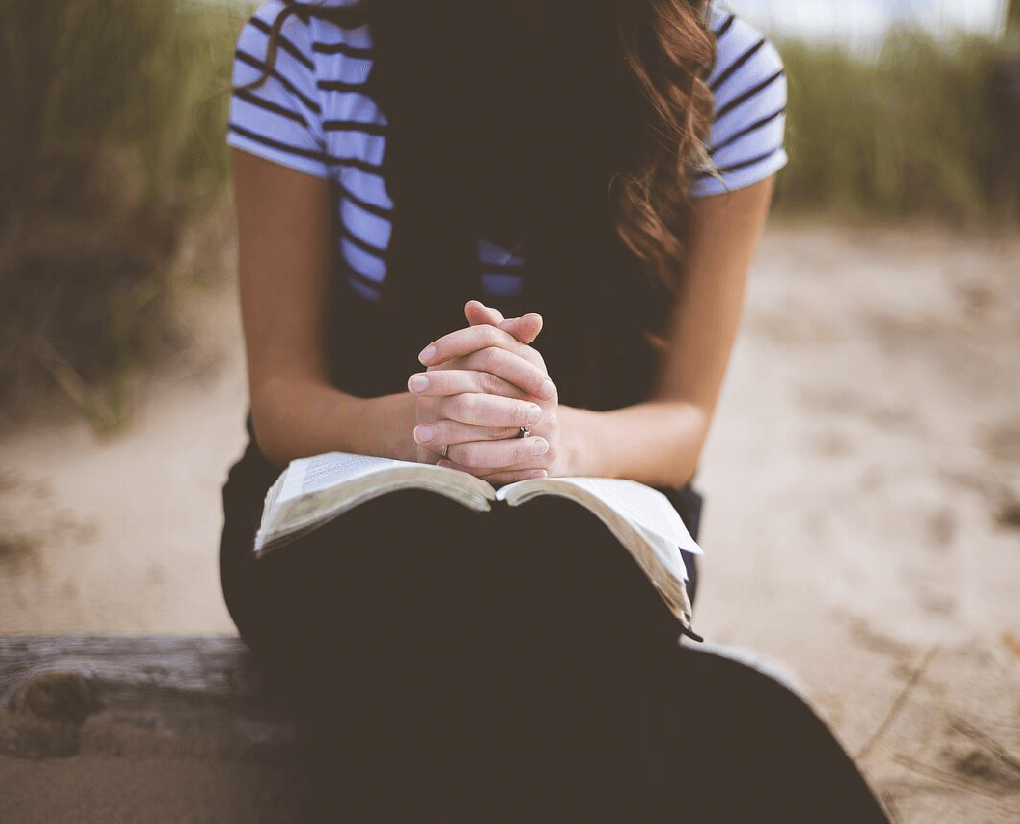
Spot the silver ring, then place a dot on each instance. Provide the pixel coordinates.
(445, 453)
(525, 432)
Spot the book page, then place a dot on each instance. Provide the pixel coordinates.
(313, 491)
(647, 508)
(307, 475)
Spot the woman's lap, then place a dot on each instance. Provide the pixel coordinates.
(513, 666)
(453, 637)
(412, 581)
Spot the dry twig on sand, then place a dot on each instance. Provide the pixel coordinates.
(897, 706)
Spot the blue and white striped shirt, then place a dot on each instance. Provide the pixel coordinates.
(312, 115)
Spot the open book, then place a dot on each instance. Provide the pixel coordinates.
(312, 491)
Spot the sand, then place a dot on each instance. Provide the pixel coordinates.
(862, 528)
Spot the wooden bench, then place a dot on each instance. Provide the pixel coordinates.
(140, 729)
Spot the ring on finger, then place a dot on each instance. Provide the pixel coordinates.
(524, 432)
(446, 452)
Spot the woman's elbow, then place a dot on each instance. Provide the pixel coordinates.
(269, 415)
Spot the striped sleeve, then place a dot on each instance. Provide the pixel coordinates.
(746, 140)
(280, 120)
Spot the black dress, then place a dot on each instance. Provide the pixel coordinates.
(514, 666)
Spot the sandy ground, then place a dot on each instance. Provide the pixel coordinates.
(862, 530)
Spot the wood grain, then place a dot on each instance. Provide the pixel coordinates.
(156, 695)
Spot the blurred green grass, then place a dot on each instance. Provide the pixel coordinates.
(919, 131)
(112, 146)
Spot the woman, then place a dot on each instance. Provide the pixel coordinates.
(598, 173)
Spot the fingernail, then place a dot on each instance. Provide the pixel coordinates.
(427, 354)
(534, 415)
(548, 389)
(540, 447)
(423, 434)
(418, 383)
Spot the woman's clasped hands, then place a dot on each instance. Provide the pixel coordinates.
(484, 387)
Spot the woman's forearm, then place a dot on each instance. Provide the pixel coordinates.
(660, 441)
(657, 442)
(297, 417)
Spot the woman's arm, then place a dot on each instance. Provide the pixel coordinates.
(284, 229)
(660, 441)
(284, 225)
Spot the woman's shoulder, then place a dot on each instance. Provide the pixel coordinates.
(269, 9)
(744, 56)
(307, 29)
(297, 70)
(748, 83)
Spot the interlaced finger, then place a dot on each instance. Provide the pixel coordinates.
(499, 476)
(444, 382)
(512, 368)
(488, 457)
(471, 338)
(440, 434)
(480, 409)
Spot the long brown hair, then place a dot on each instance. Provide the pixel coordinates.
(669, 49)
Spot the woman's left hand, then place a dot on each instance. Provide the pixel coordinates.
(489, 358)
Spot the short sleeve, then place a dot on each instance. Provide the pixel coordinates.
(281, 119)
(746, 140)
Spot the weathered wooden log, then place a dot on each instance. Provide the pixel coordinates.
(139, 696)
